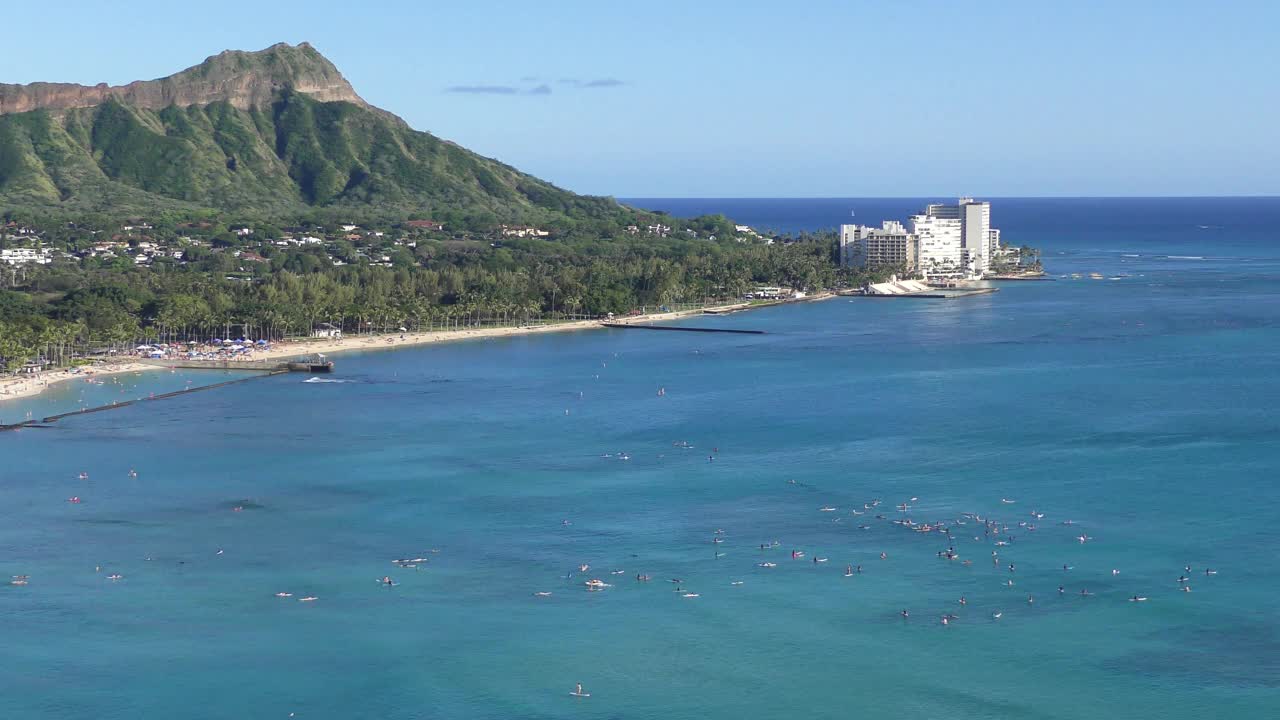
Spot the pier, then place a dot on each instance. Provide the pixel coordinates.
(317, 364)
(638, 326)
(945, 295)
(45, 422)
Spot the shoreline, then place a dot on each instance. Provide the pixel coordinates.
(19, 388)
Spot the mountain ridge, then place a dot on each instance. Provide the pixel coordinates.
(275, 131)
(244, 79)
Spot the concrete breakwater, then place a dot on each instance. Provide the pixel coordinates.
(44, 423)
(639, 326)
(312, 366)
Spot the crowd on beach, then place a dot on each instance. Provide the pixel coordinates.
(241, 349)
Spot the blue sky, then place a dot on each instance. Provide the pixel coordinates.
(762, 99)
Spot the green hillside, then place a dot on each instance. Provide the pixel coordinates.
(297, 153)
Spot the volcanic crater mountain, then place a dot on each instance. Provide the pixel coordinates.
(276, 131)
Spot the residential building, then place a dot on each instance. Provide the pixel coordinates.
(889, 245)
(23, 256)
(975, 230)
(940, 241)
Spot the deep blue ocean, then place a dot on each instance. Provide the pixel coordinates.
(1141, 407)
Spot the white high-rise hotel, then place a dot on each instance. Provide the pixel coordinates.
(945, 241)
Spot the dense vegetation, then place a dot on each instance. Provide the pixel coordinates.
(212, 293)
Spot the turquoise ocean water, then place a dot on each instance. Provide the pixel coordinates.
(1142, 408)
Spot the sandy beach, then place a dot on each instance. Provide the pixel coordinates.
(20, 387)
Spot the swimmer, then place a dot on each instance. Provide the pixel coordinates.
(386, 580)
(284, 594)
(884, 556)
(1030, 599)
(997, 615)
(1061, 590)
(906, 614)
(963, 601)
(848, 571)
(1186, 588)
(1115, 572)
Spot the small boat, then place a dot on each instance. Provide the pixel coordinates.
(594, 584)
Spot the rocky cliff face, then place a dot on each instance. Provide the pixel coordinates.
(243, 79)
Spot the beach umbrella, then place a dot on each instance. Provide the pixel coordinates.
(262, 342)
(143, 347)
